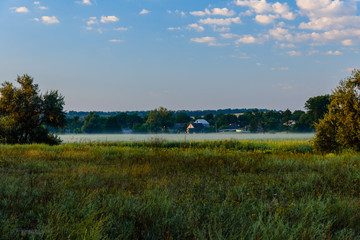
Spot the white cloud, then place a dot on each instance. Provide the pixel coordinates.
(215, 11)
(20, 9)
(326, 23)
(203, 40)
(174, 28)
(37, 3)
(220, 29)
(42, 8)
(289, 45)
(220, 21)
(265, 19)
(277, 10)
(89, 28)
(196, 27)
(326, 8)
(49, 20)
(293, 53)
(116, 41)
(281, 34)
(181, 13)
(347, 42)
(91, 21)
(85, 2)
(214, 44)
(121, 29)
(329, 14)
(248, 39)
(144, 11)
(259, 6)
(334, 53)
(229, 35)
(107, 19)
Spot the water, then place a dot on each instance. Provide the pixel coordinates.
(75, 138)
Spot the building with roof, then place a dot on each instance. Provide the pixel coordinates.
(203, 122)
(195, 128)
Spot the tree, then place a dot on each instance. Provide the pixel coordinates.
(26, 115)
(182, 118)
(317, 107)
(340, 127)
(93, 123)
(75, 124)
(160, 120)
(112, 124)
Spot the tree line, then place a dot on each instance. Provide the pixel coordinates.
(164, 120)
(27, 116)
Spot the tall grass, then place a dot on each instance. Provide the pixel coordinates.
(172, 190)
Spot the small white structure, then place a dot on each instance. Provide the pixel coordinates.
(203, 122)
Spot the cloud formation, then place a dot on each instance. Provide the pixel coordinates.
(220, 21)
(20, 9)
(215, 11)
(144, 11)
(84, 2)
(109, 19)
(204, 40)
(49, 20)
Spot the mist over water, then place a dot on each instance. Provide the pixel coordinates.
(84, 138)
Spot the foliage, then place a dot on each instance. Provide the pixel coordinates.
(26, 115)
(182, 118)
(160, 120)
(317, 107)
(112, 125)
(340, 127)
(173, 190)
(93, 123)
(225, 120)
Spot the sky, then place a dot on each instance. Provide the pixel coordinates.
(124, 55)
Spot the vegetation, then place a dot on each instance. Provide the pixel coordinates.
(340, 128)
(174, 190)
(26, 115)
(164, 120)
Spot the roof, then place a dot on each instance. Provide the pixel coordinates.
(202, 121)
(196, 125)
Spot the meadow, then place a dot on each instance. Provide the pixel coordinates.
(86, 138)
(226, 189)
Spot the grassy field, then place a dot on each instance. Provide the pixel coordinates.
(172, 190)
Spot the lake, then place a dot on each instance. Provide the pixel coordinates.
(84, 138)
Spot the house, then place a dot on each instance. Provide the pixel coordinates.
(195, 128)
(289, 123)
(203, 122)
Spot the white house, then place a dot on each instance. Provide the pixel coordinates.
(203, 122)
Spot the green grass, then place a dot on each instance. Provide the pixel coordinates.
(173, 190)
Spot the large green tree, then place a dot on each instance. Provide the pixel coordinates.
(26, 115)
(317, 107)
(93, 123)
(340, 127)
(160, 119)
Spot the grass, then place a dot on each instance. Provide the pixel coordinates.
(173, 190)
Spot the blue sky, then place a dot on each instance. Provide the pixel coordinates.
(116, 55)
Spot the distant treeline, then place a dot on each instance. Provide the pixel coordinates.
(164, 120)
(194, 113)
